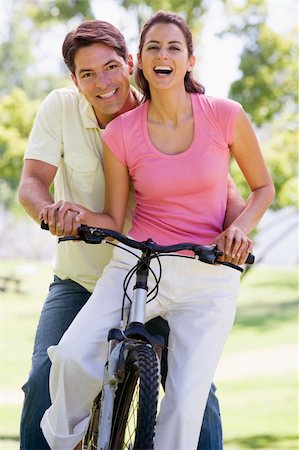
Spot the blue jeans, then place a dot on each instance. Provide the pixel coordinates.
(64, 301)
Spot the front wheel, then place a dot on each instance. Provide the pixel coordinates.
(136, 401)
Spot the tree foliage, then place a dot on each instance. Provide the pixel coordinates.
(267, 89)
(17, 113)
(45, 13)
(192, 10)
(268, 65)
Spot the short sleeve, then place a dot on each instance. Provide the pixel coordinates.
(45, 140)
(113, 136)
(227, 112)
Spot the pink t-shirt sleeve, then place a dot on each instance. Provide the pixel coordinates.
(226, 116)
(114, 138)
(227, 112)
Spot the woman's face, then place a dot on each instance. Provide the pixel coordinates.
(164, 57)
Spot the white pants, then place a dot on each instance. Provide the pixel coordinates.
(199, 303)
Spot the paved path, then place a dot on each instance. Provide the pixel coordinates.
(272, 360)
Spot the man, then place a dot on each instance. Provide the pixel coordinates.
(65, 147)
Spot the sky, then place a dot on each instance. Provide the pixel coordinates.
(217, 59)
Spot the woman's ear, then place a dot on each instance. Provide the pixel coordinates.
(191, 63)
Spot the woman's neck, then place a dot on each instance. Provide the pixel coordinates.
(168, 108)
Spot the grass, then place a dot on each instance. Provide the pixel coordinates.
(257, 411)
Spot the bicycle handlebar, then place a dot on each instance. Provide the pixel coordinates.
(205, 253)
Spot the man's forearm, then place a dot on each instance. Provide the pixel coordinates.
(34, 196)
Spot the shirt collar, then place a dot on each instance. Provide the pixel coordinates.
(87, 113)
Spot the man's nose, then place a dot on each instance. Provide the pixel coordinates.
(101, 80)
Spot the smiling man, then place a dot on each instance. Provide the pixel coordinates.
(65, 147)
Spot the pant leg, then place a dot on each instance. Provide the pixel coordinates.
(64, 301)
(211, 431)
(200, 318)
(211, 437)
(78, 361)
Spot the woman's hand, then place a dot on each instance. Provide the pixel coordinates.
(235, 245)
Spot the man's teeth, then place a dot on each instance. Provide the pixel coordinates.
(162, 69)
(109, 94)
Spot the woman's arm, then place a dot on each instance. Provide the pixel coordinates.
(116, 197)
(234, 241)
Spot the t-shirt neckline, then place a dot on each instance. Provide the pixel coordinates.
(167, 155)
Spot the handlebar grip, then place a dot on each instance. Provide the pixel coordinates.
(44, 225)
(250, 259)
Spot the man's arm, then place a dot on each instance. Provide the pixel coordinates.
(34, 189)
(235, 203)
(34, 195)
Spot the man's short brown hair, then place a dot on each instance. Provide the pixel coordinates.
(92, 32)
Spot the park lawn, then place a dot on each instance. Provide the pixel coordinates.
(258, 412)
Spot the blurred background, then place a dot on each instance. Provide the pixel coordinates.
(246, 50)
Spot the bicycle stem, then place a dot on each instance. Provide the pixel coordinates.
(138, 307)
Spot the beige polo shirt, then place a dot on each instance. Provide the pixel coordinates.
(66, 134)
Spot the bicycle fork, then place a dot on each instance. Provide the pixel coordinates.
(112, 376)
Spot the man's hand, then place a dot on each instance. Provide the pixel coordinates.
(234, 244)
(61, 218)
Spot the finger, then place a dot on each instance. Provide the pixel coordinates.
(80, 218)
(52, 212)
(228, 243)
(70, 226)
(220, 242)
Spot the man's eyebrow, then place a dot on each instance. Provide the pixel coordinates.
(84, 70)
(111, 61)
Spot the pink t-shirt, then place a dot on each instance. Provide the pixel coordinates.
(181, 197)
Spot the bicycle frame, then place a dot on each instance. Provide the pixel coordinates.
(118, 342)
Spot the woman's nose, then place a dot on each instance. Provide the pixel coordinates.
(162, 54)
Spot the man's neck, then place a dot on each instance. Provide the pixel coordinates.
(131, 102)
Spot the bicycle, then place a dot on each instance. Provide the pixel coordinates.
(124, 413)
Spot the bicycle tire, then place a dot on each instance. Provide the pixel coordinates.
(136, 401)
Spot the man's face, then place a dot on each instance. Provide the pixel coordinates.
(103, 77)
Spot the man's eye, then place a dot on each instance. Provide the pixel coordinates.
(112, 66)
(86, 75)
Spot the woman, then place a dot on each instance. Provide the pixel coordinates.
(176, 150)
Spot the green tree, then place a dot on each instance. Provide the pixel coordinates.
(192, 10)
(17, 113)
(28, 21)
(267, 88)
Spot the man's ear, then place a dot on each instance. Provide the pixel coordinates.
(131, 64)
(74, 79)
